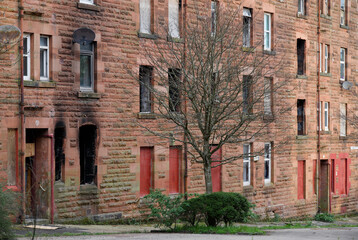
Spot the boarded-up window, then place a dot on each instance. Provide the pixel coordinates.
(343, 176)
(268, 96)
(301, 65)
(301, 118)
(216, 170)
(174, 89)
(146, 170)
(174, 169)
(301, 180)
(333, 175)
(247, 94)
(12, 163)
(314, 180)
(145, 78)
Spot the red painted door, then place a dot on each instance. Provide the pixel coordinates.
(146, 156)
(174, 169)
(301, 180)
(216, 171)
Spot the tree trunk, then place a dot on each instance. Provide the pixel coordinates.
(207, 174)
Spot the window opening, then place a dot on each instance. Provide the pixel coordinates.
(88, 136)
(246, 164)
(301, 65)
(174, 89)
(145, 78)
(247, 19)
(60, 135)
(87, 67)
(301, 118)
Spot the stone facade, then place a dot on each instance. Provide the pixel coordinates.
(56, 110)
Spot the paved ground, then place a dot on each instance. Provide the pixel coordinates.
(292, 234)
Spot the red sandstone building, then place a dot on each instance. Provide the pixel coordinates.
(72, 146)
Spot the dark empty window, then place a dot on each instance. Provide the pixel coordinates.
(301, 121)
(247, 94)
(174, 89)
(145, 78)
(88, 135)
(301, 65)
(60, 135)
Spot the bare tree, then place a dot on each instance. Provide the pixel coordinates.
(214, 84)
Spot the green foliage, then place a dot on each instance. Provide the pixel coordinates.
(8, 206)
(215, 208)
(324, 217)
(165, 209)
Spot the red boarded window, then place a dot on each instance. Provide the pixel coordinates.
(216, 171)
(333, 175)
(343, 176)
(314, 176)
(174, 169)
(301, 180)
(146, 164)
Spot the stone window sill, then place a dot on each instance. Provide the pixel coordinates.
(302, 137)
(39, 84)
(88, 188)
(302, 16)
(147, 35)
(268, 117)
(91, 7)
(301, 76)
(248, 188)
(175, 40)
(89, 95)
(248, 49)
(326, 17)
(343, 137)
(270, 52)
(325, 74)
(143, 115)
(344, 26)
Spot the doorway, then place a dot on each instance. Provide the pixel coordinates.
(37, 173)
(324, 202)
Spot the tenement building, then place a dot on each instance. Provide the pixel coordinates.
(77, 118)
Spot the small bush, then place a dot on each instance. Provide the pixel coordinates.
(165, 209)
(215, 208)
(7, 207)
(324, 217)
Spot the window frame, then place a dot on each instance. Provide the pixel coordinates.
(145, 28)
(326, 58)
(302, 60)
(342, 62)
(247, 94)
(343, 120)
(174, 28)
(247, 27)
(303, 117)
(301, 7)
(268, 98)
(45, 64)
(28, 56)
(326, 116)
(343, 13)
(247, 159)
(268, 32)
(148, 70)
(214, 16)
(269, 160)
(174, 74)
(91, 2)
(92, 56)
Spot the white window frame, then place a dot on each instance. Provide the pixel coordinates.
(320, 116)
(246, 159)
(343, 120)
(145, 16)
(46, 58)
(342, 10)
(91, 54)
(87, 1)
(28, 55)
(342, 63)
(268, 180)
(267, 96)
(214, 8)
(173, 18)
(267, 31)
(326, 116)
(301, 7)
(326, 57)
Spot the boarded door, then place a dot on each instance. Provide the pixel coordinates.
(174, 169)
(146, 156)
(216, 171)
(324, 186)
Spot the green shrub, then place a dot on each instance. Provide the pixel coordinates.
(324, 217)
(165, 209)
(215, 208)
(7, 207)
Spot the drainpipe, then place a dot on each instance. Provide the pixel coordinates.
(52, 176)
(318, 102)
(22, 110)
(185, 106)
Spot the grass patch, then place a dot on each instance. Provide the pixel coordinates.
(218, 230)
